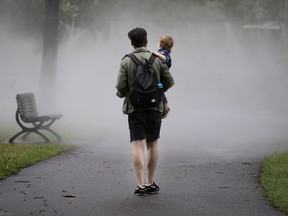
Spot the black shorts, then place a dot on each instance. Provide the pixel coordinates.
(144, 125)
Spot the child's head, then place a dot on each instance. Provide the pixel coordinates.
(166, 42)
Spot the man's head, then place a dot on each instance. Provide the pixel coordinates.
(138, 37)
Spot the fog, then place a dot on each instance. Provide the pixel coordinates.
(230, 91)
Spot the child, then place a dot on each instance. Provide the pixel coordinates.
(165, 45)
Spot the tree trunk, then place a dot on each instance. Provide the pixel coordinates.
(49, 59)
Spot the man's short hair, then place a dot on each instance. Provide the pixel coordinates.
(138, 37)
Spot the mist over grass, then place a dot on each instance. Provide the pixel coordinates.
(229, 80)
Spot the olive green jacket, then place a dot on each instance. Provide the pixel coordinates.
(125, 76)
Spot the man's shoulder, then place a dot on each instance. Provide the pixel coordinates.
(142, 53)
(138, 52)
(141, 50)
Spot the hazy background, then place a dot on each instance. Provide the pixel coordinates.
(231, 77)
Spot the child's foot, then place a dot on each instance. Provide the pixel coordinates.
(165, 112)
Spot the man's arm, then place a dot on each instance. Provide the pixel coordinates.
(166, 78)
(122, 81)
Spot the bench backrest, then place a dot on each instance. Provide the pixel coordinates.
(26, 106)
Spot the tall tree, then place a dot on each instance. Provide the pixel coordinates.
(49, 60)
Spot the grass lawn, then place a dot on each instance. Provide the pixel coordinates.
(13, 157)
(274, 179)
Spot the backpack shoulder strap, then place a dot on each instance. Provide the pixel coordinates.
(134, 58)
(152, 58)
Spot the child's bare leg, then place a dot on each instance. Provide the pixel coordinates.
(165, 106)
(166, 110)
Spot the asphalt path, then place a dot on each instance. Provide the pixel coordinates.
(195, 178)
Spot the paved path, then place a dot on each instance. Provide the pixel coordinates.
(97, 179)
(208, 166)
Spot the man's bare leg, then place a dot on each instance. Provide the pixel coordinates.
(152, 159)
(138, 160)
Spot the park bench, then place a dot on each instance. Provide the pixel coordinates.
(28, 119)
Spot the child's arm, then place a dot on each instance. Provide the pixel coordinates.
(162, 57)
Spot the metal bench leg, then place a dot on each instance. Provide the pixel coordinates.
(43, 136)
(37, 132)
(55, 134)
(11, 140)
(24, 137)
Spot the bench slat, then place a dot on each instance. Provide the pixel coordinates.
(27, 106)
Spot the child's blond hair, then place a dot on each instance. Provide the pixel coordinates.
(166, 42)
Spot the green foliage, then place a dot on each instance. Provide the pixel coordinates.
(28, 14)
(82, 12)
(274, 179)
(13, 157)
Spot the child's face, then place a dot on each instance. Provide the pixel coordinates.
(158, 45)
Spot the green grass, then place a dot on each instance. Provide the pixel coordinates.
(14, 157)
(274, 179)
